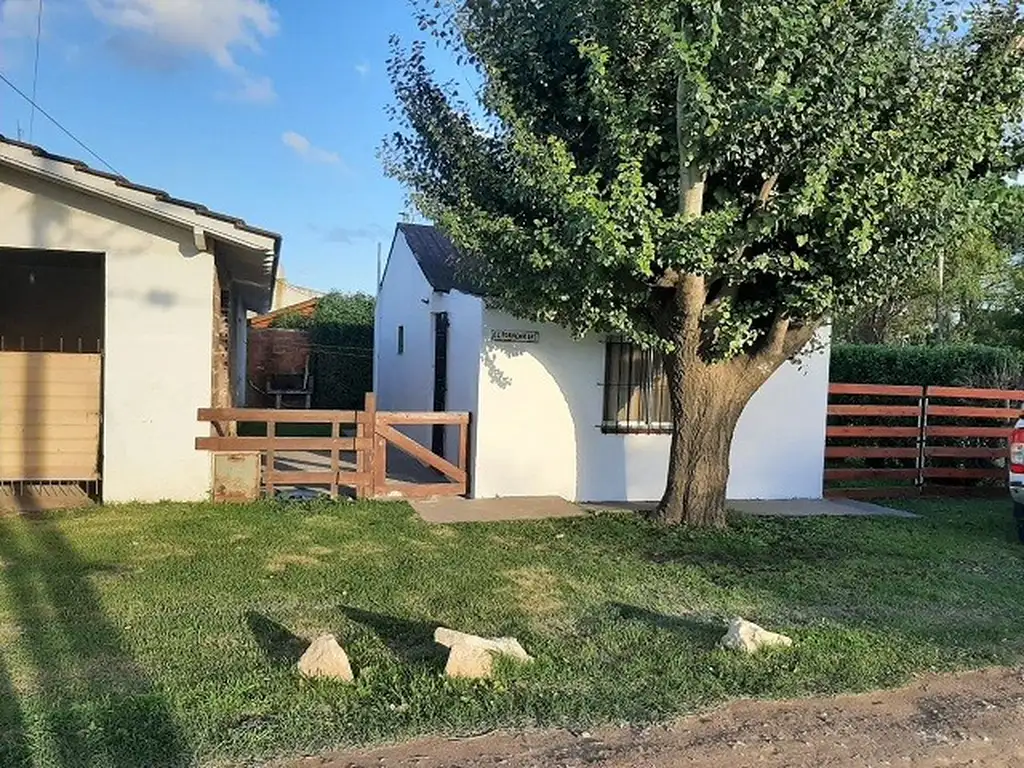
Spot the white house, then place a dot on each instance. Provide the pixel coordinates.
(122, 312)
(552, 415)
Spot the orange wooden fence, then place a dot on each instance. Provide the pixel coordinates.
(365, 435)
(907, 440)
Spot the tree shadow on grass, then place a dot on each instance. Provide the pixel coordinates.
(281, 647)
(411, 641)
(700, 632)
(14, 748)
(98, 705)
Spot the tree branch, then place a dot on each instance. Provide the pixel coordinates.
(720, 290)
(690, 297)
(669, 278)
(798, 337)
(767, 188)
(776, 339)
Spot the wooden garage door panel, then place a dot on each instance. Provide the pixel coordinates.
(58, 442)
(17, 419)
(49, 416)
(14, 363)
(51, 471)
(19, 434)
(15, 392)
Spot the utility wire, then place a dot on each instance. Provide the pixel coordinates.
(35, 71)
(54, 120)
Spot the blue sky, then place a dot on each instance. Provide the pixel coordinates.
(271, 110)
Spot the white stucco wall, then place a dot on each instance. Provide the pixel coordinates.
(158, 332)
(406, 382)
(538, 427)
(465, 334)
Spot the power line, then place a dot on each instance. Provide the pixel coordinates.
(54, 120)
(35, 70)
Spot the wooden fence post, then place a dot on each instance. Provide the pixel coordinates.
(335, 457)
(464, 452)
(380, 458)
(922, 438)
(271, 459)
(366, 457)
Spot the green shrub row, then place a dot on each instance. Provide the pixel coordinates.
(971, 365)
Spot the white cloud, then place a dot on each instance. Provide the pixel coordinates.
(216, 29)
(256, 90)
(211, 27)
(363, 68)
(306, 149)
(18, 18)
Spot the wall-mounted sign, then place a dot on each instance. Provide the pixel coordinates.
(515, 337)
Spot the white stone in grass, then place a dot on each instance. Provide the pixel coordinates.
(749, 637)
(326, 659)
(471, 656)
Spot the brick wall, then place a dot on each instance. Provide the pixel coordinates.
(273, 351)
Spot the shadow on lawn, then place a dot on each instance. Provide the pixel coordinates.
(281, 647)
(14, 750)
(697, 631)
(96, 706)
(411, 641)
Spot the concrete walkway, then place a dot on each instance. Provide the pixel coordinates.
(455, 509)
(817, 508)
(778, 508)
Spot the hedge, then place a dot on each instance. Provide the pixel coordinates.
(971, 365)
(341, 359)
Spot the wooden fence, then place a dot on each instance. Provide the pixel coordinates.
(353, 455)
(906, 440)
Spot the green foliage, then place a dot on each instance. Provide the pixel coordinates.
(796, 155)
(292, 321)
(951, 366)
(965, 290)
(341, 333)
(167, 635)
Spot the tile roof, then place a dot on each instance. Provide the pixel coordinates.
(159, 194)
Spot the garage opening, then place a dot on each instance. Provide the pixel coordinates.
(51, 345)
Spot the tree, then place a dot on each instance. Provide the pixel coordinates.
(966, 287)
(709, 178)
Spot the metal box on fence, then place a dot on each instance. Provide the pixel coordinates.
(236, 476)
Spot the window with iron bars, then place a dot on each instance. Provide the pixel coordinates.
(635, 390)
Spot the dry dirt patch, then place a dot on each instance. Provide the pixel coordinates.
(969, 719)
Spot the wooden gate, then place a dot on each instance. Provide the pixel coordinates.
(50, 405)
(344, 451)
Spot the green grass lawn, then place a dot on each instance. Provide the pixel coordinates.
(167, 635)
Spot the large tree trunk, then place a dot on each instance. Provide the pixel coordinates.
(707, 401)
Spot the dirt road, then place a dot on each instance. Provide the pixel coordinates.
(974, 719)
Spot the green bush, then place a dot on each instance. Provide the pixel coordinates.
(341, 333)
(295, 321)
(951, 366)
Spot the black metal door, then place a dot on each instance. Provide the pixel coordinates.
(440, 378)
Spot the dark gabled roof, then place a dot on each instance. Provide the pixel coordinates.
(159, 194)
(439, 260)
